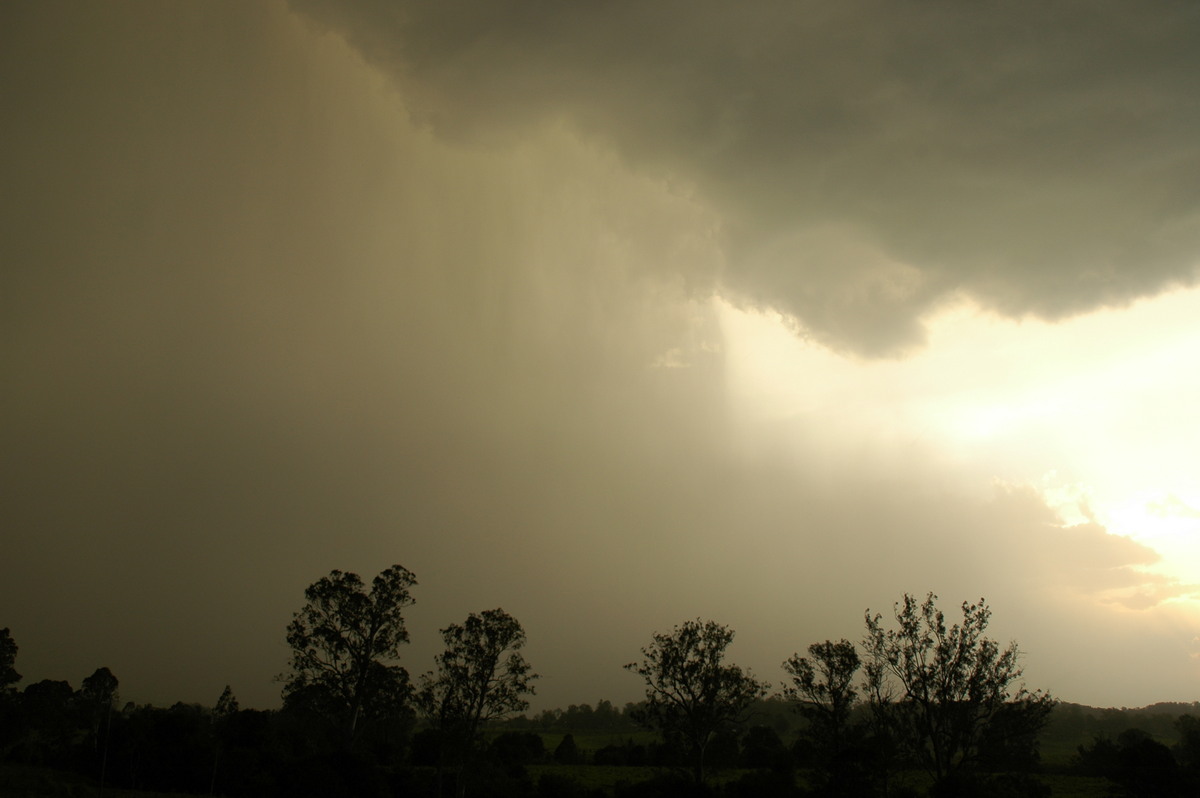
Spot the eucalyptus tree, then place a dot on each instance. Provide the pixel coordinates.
(345, 646)
(945, 692)
(481, 676)
(96, 697)
(8, 661)
(227, 706)
(10, 721)
(690, 692)
(822, 686)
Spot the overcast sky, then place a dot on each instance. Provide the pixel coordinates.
(613, 315)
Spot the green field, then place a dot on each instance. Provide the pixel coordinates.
(1059, 747)
(28, 781)
(1057, 756)
(23, 781)
(607, 777)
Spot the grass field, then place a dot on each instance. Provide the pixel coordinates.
(27, 781)
(606, 778)
(592, 776)
(1068, 786)
(22, 781)
(1056, 754)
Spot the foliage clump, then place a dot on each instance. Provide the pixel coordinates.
(691, 694)
(946, 694)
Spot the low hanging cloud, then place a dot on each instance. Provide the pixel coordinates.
(868, 160)
(1082, 558)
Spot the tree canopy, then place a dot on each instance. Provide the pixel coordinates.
(822, 685)
(345, 643)
(8, 660)
(945, 691)
(481, 676)
(690, 692)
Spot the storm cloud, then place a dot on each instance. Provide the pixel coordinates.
(868, 159)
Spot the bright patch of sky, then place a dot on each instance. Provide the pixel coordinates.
(1097, 412)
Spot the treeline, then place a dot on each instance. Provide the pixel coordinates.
(189, 748)
(604, 717)
(1074, 722)
(923, 704)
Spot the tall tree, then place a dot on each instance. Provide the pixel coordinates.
(227, 707)
(9, 705)
(822, 686)
(99, 689)
(944, 690)
(690, 693)
(345, 643)
(96, 696)
(8, 661)
(481, 676)
(227, 704)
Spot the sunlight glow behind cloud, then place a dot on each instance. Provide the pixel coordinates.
(1096, 412)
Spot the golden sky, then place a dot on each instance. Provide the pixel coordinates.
(613, 315)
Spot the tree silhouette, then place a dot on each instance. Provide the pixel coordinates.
(943, 690)
(49, 722)
(10, 709)
(227, 707)
(567, 753)
(822, 686)
(227, 704)
(345, 642)
(1138, 765)
(8, 660)
(481, 676)
(96, 697)
(690, 693)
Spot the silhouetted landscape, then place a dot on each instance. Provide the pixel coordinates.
(926, 704)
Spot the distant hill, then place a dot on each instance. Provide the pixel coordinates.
(1075, 725)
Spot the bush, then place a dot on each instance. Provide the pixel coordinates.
(567, 753)
(520, 748)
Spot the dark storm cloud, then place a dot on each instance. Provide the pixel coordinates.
(869, 158)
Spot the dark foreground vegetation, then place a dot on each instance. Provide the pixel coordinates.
(922, 706)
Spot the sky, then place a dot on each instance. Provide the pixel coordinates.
(613, 315)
